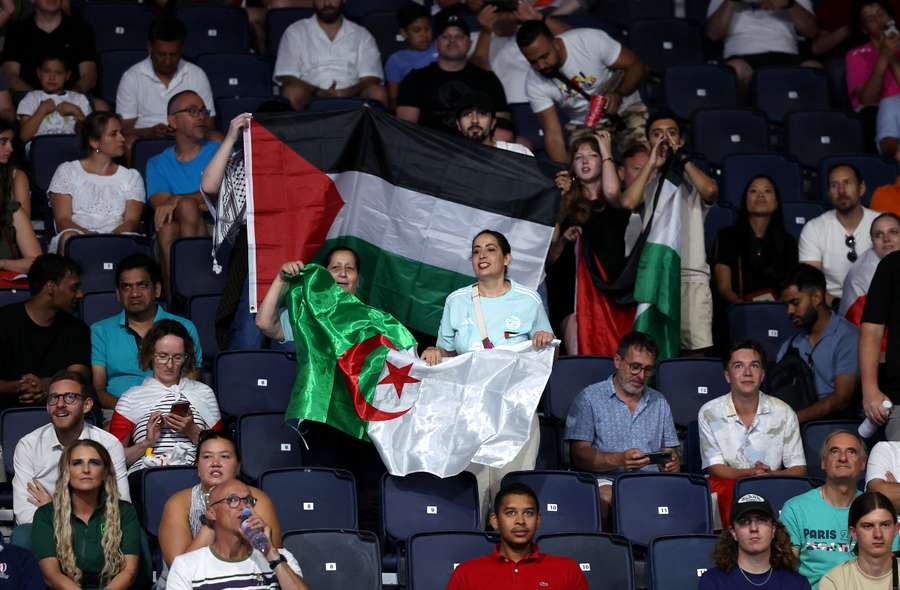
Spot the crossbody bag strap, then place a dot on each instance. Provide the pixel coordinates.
(479, 318)
(895, 582)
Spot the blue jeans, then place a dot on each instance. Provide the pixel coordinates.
(244, 335)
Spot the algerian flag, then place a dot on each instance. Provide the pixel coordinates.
(407, 198)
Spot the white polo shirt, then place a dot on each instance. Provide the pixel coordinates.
(143, 96)
(823, 239)
(757, 30)
(306, 52)
(37, 457)
(885, 456)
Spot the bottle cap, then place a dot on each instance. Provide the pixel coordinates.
(245, 513)
(887, 404)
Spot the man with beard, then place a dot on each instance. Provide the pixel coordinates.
(432, 96)
(836, 239)
(327, 55)
(613, 425)
(827, 342)
(516, 561)
(115, 340)
(477, 120)
(37, 454)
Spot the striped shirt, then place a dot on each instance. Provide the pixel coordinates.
(202, 570)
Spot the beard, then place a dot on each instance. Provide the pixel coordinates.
(329, 15)
(477, 133)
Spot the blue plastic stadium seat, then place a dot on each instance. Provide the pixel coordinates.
(665, 42)
(717, 218)
(157, 485)
(192, 272)
(384, 28)
(14, 424)
(688, 383)
(341, 103)
(796, 215)
(717, 133)
(334, 559)
(8, 296)
(814, 434)
(47, 153)
(144, 149)
(780, 90)
(266, 443)
(202, 311)
(214, 29)
(876, 171)
(527, 124)
(569, 500)
(358, 9)
(649, 505)
(100, 254)
(764, 322)
(813, 135)
(237, 74)
(606, 560)
(570, 375)
(549, 452)
(703, 86)
(434, 556)
(776, 489)
(112, 65)
(118, 26)
(278, 20)
(311, 497)
(590, 21)
(99, 306)
(738, 170)
(676, 562)
(229, 108)
(254, 381)
(624, 12)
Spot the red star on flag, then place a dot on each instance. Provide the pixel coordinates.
(398, 377)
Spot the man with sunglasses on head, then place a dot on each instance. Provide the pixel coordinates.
(622, 424)
(36, 459)
(835, 240)
(230, 561)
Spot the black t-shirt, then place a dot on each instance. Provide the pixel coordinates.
(26, 347)
(26, 44)
(760, 264)
(437, 94)
(883, 307)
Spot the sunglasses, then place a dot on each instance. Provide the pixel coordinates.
(850, 242)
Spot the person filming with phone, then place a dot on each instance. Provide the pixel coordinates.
(621, 424)
(159, 421)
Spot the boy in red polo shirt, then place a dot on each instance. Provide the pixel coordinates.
(516, 562)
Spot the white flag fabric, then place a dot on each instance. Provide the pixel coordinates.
(473, 408)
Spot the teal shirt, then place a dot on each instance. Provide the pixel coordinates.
(114, 347)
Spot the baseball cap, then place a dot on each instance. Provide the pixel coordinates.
(751, 503)
(476, 101)
(449, 18)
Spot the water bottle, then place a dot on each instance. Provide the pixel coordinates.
(869, 428)
(256, 536)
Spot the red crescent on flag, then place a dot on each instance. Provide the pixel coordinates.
(351, 363)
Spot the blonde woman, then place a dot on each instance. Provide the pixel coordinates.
(87, 538)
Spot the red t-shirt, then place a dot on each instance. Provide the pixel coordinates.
(538, 570)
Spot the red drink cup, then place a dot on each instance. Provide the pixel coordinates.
(595, 110)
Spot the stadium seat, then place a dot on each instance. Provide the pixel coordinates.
(717, 133)
(237, 74)
(192, 272)
(876, 172)
(624, 12)
(717, 218)
(434, 556)
(359, 9)
(688, 383)
(797, 214)
(144, 149)
(813, 135)
(8, 296)
(549, 452)
(692, 461)
(814, 434)
(278, 20)
(606, 560)
(47, 153)
(703, 86)
(118, 26)
(229, 108)
(589, 21)
(99, 254)
(202, 311)
(695, 10)
(776, 489)
(214, 29)
(765, 322)
(527, 124)
(570, 375)
(569, 500)
(99, 306)
(665, 42)
(112, 65)
(648, 505)
(156, 486)
(341, 103)
(14, 424)
(334, 559)
(738, 170)
(267, 442)
(676, 562)
(778, 91)
(311, 498)
(383, 26)
(254, 381)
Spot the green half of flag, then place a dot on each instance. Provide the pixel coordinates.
(331, 325)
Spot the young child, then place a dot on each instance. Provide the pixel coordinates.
(53, 109)
(415, 27)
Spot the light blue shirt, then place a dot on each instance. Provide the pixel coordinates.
(599, 416)
(165, 174)
(404, 61)
(510, 318)
(836, 353)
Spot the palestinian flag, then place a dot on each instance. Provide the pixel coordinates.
(409, 200)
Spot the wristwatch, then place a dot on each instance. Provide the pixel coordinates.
(276, 562)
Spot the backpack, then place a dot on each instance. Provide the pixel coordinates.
(792, 379)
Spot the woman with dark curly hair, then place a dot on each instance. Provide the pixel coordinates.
(873, 525)
(755, 552)
(159, 421)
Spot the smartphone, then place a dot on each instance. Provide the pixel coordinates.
(660, 457)
(181, 409)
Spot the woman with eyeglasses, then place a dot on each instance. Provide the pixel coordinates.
(159, 421)
(87, 538)
(183, 527)
(95, 195)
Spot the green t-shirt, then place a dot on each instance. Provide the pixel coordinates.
(87, 539)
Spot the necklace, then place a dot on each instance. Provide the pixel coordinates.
(751, 582)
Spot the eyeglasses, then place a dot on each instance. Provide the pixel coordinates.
(164, 358)
(235, 501)
(637, 368)
(850, 242)
(194, 111)
(70, 397)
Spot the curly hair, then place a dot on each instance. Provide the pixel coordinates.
(781, 553)
(159, 330)
(113, 558)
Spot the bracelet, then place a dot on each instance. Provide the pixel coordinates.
(607, 160)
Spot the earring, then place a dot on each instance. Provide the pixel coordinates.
(97, 150)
